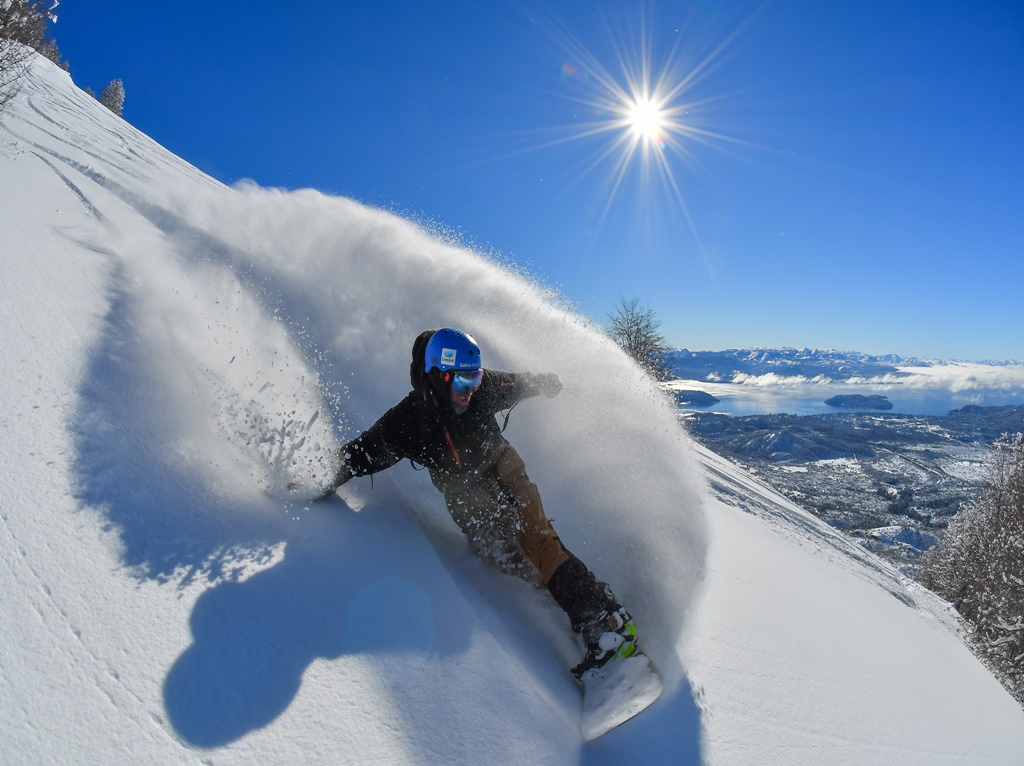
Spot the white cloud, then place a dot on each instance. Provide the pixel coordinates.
(950, 376)
(966, 376)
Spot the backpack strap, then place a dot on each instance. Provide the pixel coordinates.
(507, 416)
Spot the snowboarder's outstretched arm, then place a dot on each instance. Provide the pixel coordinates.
(502, 390)
(380, 446)
(386, 442)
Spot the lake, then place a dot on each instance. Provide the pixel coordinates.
(809, 398)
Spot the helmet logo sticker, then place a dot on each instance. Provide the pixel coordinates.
(448, 356)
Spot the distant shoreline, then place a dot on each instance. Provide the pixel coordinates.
(806, 398)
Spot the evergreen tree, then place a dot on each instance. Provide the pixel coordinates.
(112, 97)
(638, 331)
(979, 567)
(24, 21)
(49, 49)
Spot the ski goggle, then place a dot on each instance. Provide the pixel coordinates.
(465, 381)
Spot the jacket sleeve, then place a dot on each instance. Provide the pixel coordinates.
(502, 390)
(381, 445)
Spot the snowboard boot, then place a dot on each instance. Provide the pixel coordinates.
(610, 636)
(606, 628)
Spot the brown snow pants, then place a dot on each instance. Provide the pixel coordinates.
(500, 511)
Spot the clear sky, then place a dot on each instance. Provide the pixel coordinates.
(822, 174)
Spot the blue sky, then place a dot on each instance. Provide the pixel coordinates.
(831, 175)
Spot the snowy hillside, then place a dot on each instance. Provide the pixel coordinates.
(174, 350)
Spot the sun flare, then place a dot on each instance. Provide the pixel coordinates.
(645, 108)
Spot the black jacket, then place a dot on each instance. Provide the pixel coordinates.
(431, 434)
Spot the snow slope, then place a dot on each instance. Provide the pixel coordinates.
(174, 350)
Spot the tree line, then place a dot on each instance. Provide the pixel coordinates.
(24, 27)
(979, 566)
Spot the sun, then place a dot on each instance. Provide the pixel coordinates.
(646, 118)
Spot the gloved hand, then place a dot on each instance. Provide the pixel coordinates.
(343, 475)
(548, 384)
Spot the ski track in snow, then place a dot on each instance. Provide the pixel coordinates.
(199, 347)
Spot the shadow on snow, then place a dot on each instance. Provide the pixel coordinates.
(348, 583)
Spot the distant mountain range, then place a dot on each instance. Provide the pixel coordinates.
(727, 366)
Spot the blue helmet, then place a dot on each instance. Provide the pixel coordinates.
(451, 349)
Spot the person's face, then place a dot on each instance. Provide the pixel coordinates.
(460, 401)
(463, 384)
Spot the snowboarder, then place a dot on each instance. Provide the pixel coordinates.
(448, 424)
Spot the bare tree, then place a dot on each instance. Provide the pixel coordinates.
(22, 28)
(13, 63)
(638, 331)
(979, 567)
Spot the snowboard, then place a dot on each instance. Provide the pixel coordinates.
(616, 692)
